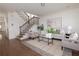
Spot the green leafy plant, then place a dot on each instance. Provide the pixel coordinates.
(41, 27)
(52, 30)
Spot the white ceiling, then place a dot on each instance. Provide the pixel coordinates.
(36, 8)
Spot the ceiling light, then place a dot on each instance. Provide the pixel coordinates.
(42, 4)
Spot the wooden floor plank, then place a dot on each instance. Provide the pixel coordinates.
(14, 48)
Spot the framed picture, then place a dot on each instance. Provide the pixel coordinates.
(55, 22)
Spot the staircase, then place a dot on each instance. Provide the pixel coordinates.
(29, 22)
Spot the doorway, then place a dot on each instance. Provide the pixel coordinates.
(2, 27)
(4, 42)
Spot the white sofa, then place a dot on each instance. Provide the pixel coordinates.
(71, 44)
(58, 36)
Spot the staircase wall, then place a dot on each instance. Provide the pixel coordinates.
(34, 28)
(14, 21)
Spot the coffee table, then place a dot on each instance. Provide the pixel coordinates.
(43, 36)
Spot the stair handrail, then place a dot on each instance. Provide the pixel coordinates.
(27, 21)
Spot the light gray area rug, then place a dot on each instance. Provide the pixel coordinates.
(47, 50)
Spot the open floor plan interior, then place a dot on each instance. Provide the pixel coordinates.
(39, 29)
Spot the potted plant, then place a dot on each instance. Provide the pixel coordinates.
(40, 28)
(49, 32)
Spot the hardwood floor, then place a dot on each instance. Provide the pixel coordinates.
(15, 48)
(75, 53)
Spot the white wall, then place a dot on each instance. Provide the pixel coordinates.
(14, 21)
(34, 28)
(69, 18)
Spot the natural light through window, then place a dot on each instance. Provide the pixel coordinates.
(0, 26)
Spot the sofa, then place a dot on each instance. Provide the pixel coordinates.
(71, 44)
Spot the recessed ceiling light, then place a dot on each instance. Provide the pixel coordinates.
(42, 4)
